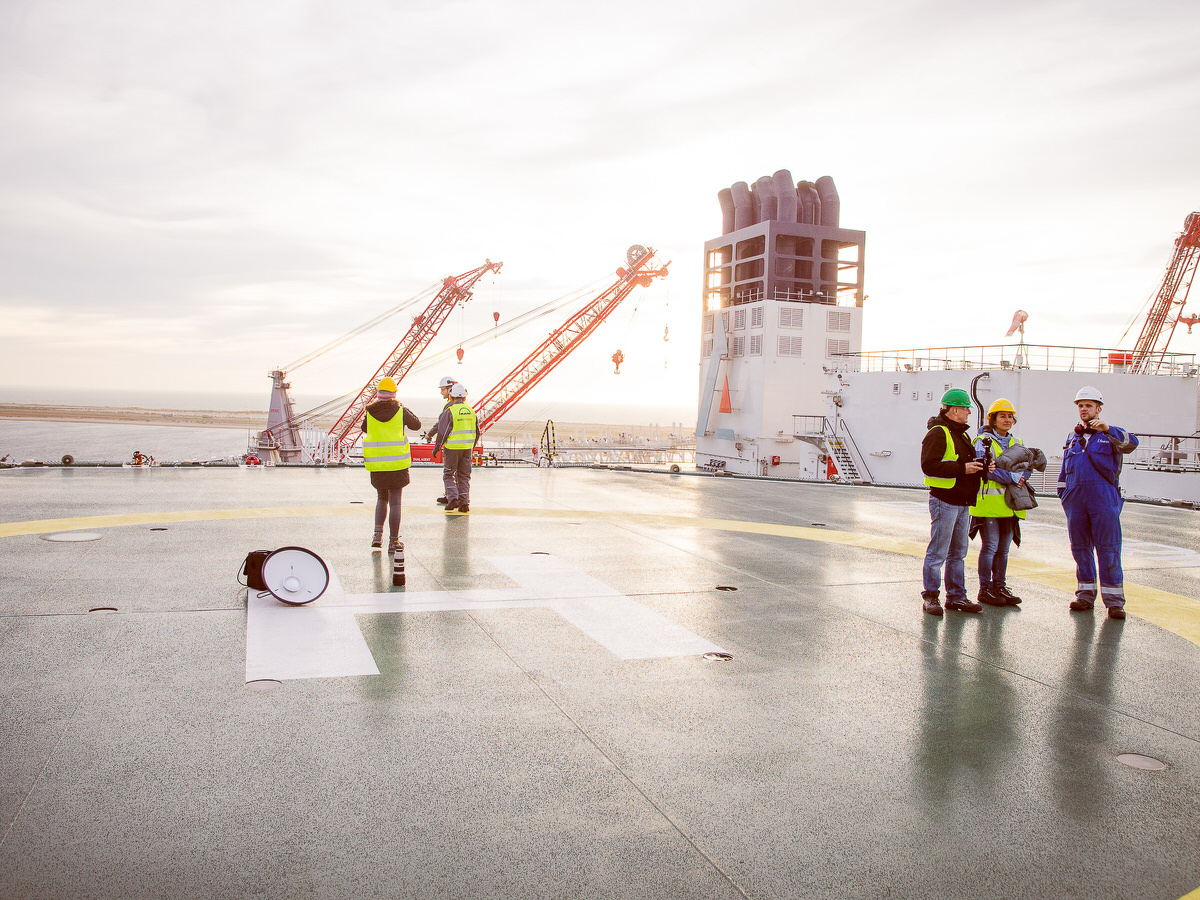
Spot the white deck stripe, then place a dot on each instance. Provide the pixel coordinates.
(323, 640)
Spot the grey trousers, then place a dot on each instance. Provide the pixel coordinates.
(456, 474)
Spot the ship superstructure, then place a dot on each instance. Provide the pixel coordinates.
(787, 391)
(783, 297)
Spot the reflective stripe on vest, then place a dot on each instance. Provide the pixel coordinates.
(990, 502)
(950, 454)
(385, 447)
(462, 428)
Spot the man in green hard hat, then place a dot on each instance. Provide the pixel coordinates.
(953, 474)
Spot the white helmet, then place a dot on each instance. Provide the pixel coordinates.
(458, 391)
(1087, 392)
(446, 381)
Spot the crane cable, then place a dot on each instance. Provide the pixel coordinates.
(428, 362)
(366, 326)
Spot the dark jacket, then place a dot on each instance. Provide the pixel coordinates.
(385, 411)
(933, 448)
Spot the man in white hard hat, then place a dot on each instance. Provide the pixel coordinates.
(444, 385)
(1091, 497)
(457, 435)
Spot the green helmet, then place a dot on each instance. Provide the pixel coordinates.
(956, 397)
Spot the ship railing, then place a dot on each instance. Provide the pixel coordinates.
(1005, 357)
(1166, 453)
(832, 433)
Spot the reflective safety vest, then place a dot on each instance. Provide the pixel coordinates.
(950, 454)
(990, 502)
(462, 428)
(385, 447)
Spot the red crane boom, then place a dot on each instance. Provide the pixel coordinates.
(1151, 344)
(455, 290)
(538, 364)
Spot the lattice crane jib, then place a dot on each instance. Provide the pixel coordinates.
(456, 289)
(1157, 330)
(563, 340)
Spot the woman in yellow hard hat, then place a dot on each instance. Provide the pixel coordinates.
(388, 458)
(996, 520)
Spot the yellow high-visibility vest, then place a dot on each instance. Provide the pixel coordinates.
(990, 502)
(951, 453)
(462, 428)
(385, 447)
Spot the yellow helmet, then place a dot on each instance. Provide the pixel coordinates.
(1001, 405)
(386, 384)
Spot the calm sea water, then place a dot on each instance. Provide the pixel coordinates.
(93, 442)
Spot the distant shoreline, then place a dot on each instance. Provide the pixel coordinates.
(134, 415)
(255, 420)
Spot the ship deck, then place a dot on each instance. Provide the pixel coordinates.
(536, 714)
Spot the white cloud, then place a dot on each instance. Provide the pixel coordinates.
(247, 181)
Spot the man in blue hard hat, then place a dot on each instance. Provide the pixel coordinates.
(953, 474)
(1091, 497)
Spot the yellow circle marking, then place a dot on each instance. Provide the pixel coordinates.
(1173, 612)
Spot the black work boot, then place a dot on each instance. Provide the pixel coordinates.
(929, 603)
(991, 597)
(1009, 597)
(963, 605)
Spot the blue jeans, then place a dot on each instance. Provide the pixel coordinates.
(948, 535)
(995, 537)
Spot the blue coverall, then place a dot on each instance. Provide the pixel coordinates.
(1092, 501)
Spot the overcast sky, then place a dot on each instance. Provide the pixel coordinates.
(193, 193)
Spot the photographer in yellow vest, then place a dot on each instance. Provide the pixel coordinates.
(457, 435)
(388, 458)
(952, 473)
(997, 521)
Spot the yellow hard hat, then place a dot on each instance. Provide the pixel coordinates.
(386, 384)
(1001, 405)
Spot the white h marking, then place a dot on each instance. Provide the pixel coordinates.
(323, 640)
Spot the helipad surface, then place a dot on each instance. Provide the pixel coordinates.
(534, 714)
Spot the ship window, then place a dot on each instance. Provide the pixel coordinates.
(708, 324)
(838, 320)
(756, 317)
(747, 270)
(789, 346)
(896, 387)
(791, 317)
(756, 345)
(755, 246)
(739, 319)
(836, 347)
(739, 346)
(707, 352)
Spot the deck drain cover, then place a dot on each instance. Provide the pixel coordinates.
(726, 587)
(723, 657)
(71, 536)
(263, 684)
(1137, 761)
(158, 529)
(103, 609)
